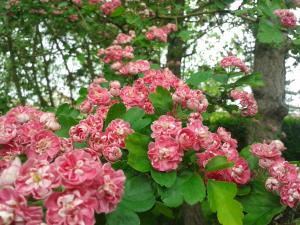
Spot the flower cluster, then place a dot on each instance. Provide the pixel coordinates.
(287, 17)
(233, 61)
(110, 5)
(284, 177)
(246, 100)
(160, 33)
(53, 164)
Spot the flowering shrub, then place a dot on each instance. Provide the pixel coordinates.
(140, 143)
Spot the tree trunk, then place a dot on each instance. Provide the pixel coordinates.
(269, 61)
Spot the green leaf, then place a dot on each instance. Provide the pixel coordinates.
(161, 209)
(221, 200)
(218, 163)
(161, 100)
(184, 35)
(115, 111)
(221, 78)
(193, 190)
(139, 195)
(254, 80)
(251, 159)
(260, 205)
(135, 117)
(199, 77)
(137, 146)
(122, 216)
(269, 33)
(164, 179)
(118, 12)
(172, 197)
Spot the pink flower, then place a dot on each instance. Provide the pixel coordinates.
(164, 154)
(109, 187)
(109, 6)
(112, 153)
(284, 171)
(66, 145)
(80, 132)
(73, 17)
(86, 106)
(98, 142)
(160, 34)
(10, 172)
(246, 100)
(186, 139)
(50, 121)
(265, 150)
(290, 194)
(70, 207)
(233, 61)
(287, 17)
(272, 184)
(165, 125)
(240, 172)
(94, 122)
(98, 95)
(117, 131)
(44, 145)
(76, 168)
(7, 131)
(38, 178)
(14, 209)
(122, 39)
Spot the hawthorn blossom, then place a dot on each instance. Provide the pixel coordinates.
(86, 106)
(70, 207)
(112, 153)
(290, 194)
(164, 154)
(37, 178)
(246, 100)
(8, 131)
(110, 5)
(160, 33)
(287, 18)
(186, 139)
(117, 130)
(79, 132)
(98, 95)
(233, 61)
(165, 125)
(9, 171)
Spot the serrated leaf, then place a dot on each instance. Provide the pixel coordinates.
(135, 117)
(139, 195)
(164, 179)
(218, 163)
(260, 205)
(199, 77)
(193, 190)
(122, 216)
(269, 33)
(161, 100)
(137, 146)
(115, 111)
(221, 200)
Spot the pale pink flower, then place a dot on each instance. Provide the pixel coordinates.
(109, 187)
(44, 145)
(76, 168)
(10, 172)
(117, 131)
(284, 171)
(272, 184)
(98, 95)
(50, 121)
(86, 106)
(233, 61)
(37, 178)
(265, 150)
(112, 153)
(66, 145)
(122, 39)
(164, 154)
(109, 6)
(79, 132)
(247, 102)
(165, 125)
(98, 142)
(8, 131)
(70, 207)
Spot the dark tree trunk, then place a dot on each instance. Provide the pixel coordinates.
(269, 61)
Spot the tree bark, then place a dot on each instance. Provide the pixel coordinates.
(269, 61)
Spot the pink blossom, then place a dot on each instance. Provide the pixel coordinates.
(112, 153)
(10, 172)
(109, 6)
(284, 171)
(14, 209)
(272, 184)
(50, 121)
(98, 142)
(160, 33)
(115, 84)
(246, 100)
(186, 139)
(98, 95)
(109, 186)
(117, 131)
(287, 17)
(164, 154)
(165, 125)
(86, 106)
(233, 61)
(70, 207)
(133, 68)
(290, 194)
(94, 122)
(240, 172)
(265, 150)
(38, 178)
(44, 145)
(66, 145)
(122, 39)
(76, 168)
(79, 132)
(7, 131)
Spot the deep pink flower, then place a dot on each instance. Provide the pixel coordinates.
(186, 139)
(38, 178)
(265, 150)
(98, 95)
(246, 100)
(240, 172)
(7, 131)
(14, 209)
(9, 171)
(290, 194)
(117, 131)
(79, 132)
(86, 106)
(109, 187)
(44, 145)
(70, 207)
(164, 154)
(284, 171)
(287, 17)
(109, 6)
(233, 61)
(76, 168)
(112, 153)
(165, 125)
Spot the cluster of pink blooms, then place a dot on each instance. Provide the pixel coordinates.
(118, 55)
(284, 177)
(171, 140)
(53, 164)
(287, 17)
(233, 61)
(107, 7)
(160, 33)
(246, 100)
